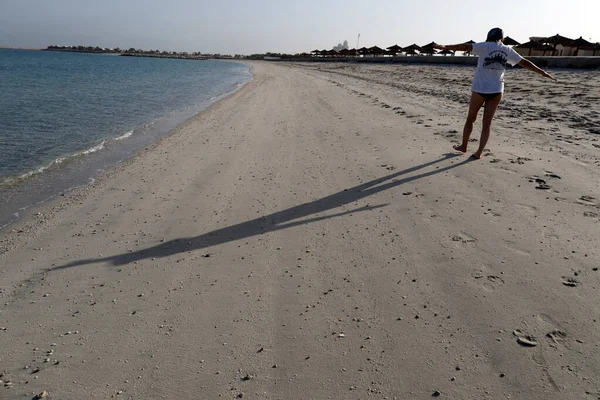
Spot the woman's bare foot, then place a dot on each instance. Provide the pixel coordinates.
(477, 155)
(461, 147)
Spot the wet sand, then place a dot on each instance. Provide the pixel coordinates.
(313, 236)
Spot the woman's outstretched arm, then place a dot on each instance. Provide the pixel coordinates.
(532, 67)
(455, 47)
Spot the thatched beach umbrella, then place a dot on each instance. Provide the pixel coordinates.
(558, 40)
(412, 49)
(533, 45)
(581, 43)
(510, 41)
(428, 48)
(468, 53)
(376, 51)
(446, 52)
(395, 49)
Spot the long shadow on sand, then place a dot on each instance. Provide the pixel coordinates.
(278, 220)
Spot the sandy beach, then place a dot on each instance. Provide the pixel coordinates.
(314, 236)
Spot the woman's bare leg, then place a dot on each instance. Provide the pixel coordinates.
(488, 115)
(474, 106)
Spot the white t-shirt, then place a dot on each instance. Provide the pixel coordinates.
(493, 57)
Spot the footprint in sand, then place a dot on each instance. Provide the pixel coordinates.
(464, 238)
(487, 279)
(524, 339)
(570, 281)
(495, 280)
(556, 338)
(552, 175)
(527, 207)
(519, 160)
(515, 248)
(587, 201)
(541, 184)
(488, 282)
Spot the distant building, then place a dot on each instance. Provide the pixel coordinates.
(559, 46)
(562, 49)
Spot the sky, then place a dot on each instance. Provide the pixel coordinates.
(290, 26)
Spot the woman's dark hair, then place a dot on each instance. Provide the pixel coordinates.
(494, 35)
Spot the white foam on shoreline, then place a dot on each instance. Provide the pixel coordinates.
(94, 149)
(124, 136)
(53, 163)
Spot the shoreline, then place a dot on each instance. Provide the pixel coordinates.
(37, 214)
(92, 156)
(313, 234)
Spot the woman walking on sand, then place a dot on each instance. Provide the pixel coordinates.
(488, 83)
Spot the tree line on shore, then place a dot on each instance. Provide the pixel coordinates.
(140, 53)
(168, 54)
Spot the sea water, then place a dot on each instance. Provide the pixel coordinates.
(65, 117)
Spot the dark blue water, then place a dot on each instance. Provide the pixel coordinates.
(59, 111)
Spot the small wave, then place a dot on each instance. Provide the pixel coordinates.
(53, 163)
(94, 149)
(124, 136)
(29, 174)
